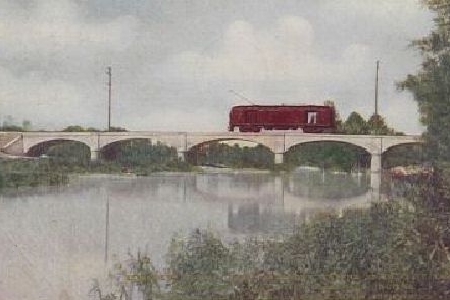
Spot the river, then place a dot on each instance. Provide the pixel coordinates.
(53, 238)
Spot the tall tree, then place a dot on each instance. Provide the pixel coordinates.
(377, 126)
(355, 124)
(26, 125)
(431, 85)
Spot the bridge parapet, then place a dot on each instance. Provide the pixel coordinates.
(172, 139)
(277, 142)
(273, 140)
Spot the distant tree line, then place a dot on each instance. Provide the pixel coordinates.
(355, 124)
(78, 128)
(9, 124)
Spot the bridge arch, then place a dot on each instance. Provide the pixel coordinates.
(353, 140)
(224, 139)
(404, 154)
(43, 147)
(391, 142)
(346, 155)
(173, 139)
(213, 149)
(273, 141)
(135, 148)
(32, 139)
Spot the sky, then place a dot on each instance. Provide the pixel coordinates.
(175, 62)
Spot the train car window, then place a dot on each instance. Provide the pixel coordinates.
(312, 117)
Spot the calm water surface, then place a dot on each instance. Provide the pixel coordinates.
(53, 239)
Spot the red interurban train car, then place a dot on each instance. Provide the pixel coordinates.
(309, 118)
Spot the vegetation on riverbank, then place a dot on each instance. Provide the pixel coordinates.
(23, 173)
(68, 157)
(392, 250)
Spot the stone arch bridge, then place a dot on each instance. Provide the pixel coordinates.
(277, 142)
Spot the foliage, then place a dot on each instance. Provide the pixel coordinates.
(337, 116)
(131, 279)
(143, 157)
(26, 125)
(430, 86)
(377, 126)
(356, 125)
(200, 267)
(18, 173)
(69, 155)
(404, 155)
(117, 129)
(396, 250)
(328, 155)
(217, 153)
(11, 128)
(9, 124)
(78, 128)
(74, 128)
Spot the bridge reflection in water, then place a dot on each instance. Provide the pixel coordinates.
(253, 202)
(269, 203)
(55, 238)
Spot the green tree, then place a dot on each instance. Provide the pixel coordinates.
(136, 274)
(69, 154)
(232, 156)
(200, 267)
(117, 129)
(431, 85)
(328, 155)
(9, 121)
(355, 124)
(26, 125)
(337, 117)
(377, 126)
(74, 128)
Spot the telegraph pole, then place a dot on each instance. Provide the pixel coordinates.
(376, 89)
(109, 73)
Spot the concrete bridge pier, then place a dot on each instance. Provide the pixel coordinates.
(95, 154)
(279, 158)
(181, 155)
(375, 175)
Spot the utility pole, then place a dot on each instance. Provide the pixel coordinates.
(376, 90)
(109, 73)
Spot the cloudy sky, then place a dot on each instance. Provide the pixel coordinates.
(174, 62)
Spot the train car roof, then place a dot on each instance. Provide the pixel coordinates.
(281, 106)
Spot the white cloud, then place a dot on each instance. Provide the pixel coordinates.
(51, 56)
(51, 103)
(55, 26)
(268, 56)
